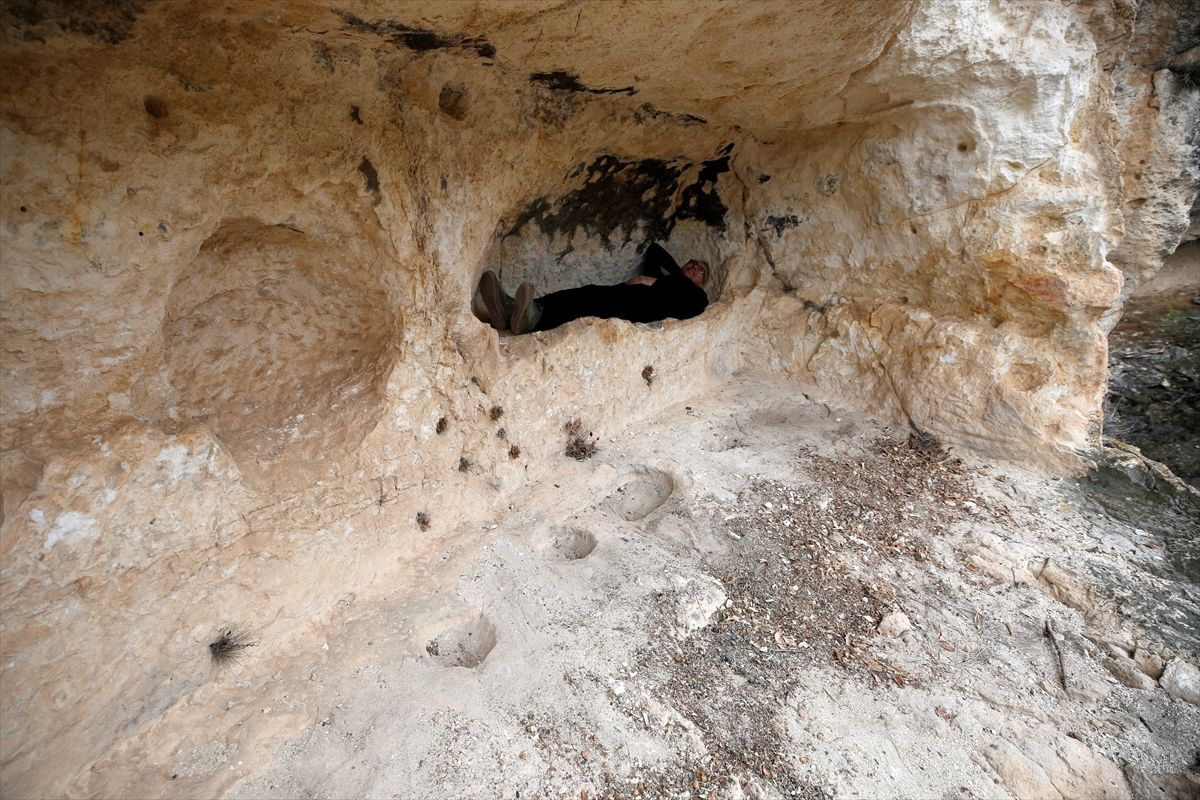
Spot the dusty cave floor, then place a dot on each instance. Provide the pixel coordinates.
(753, 595)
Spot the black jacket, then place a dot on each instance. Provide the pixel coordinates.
(673, 295)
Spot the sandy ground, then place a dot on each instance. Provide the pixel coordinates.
(756, 595)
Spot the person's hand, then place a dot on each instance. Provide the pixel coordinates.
(640, 280)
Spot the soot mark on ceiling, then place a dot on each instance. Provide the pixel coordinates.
(648, 111)
(569, 82)
(108, 21)
(621, 199)
(700, 200)
(783, 222)
(370, 177)
(417, 39)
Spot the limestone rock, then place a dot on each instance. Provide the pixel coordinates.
(1181, 680)
(240, 242)
(1148, 662)
(1127, 672)
(1067, 588)
(894, 624)
(1162, 785)
(1054, 767)
(698, 601)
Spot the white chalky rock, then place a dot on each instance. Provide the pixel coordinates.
(699, 600)
(1126, 671)
(1181, 680)
(240, 241)
(894, 624)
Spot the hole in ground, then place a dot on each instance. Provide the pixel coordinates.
(462, 642)
(571, 544)
(640, 497)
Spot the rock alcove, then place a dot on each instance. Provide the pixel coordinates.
(240, 243)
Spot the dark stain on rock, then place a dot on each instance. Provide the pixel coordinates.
(452, 100)
(561, 81)
(420, 40)
(371, 177)
(700, 201)
(107, 21)
(155, 106)
(616, 197)
(764, 178)
(646, 112)
(189, 85)
(624, 199)
(323, 57)
(784, 222)
(828, 184)
(355, 115)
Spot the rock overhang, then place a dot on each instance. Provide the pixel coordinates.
(240, 242)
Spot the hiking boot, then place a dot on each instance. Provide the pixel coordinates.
(493, 300)
(526, 313)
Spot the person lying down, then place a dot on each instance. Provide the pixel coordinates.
(663, 290)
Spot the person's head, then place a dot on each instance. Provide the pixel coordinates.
(696, 271)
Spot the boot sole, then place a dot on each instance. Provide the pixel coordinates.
(489, 287)
(520, 317)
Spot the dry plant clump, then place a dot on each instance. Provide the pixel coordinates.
(580, 446)
(514, 452)
(925, 443)
(441, 425)
(422, 520)
(464, 464)
(229, 645)
(496, 413)
(648, 374)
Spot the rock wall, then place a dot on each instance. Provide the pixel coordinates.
(240, 369)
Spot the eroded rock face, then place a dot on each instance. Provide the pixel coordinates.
(240, 243)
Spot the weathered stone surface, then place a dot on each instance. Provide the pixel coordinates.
(1162, 785)
(895, 623)
(1127, 672)
(240, 372)
(1181, 680)
(1148, 662)
(1054, 767)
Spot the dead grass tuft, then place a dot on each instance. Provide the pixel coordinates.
(229, 646)
(580, 446)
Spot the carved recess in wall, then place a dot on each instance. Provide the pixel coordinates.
(275, 340)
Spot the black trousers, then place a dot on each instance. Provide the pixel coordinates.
(632, 303)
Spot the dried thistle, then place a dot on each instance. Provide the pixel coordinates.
(227, 647)
(579, 445)
(925, 444)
